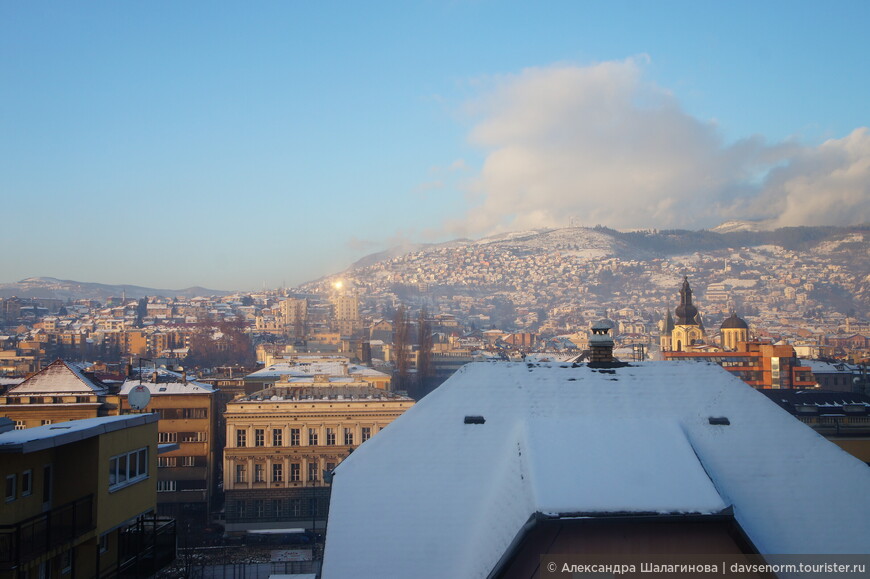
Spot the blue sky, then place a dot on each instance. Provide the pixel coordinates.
(233, 145)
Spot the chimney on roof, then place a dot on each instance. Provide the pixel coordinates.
(184, 376)
(601, 343)
(154, 377)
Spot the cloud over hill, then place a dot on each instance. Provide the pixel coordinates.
(601, 144)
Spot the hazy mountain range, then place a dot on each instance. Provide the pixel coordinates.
(844, 245)
(49, 287)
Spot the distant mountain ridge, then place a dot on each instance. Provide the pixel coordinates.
(544, 269)
(64, 289)
(639, 244)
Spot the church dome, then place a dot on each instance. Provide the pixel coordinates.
(734, 323)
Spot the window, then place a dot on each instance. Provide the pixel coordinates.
(241, 473)
(193, 437)
(348, 436)
(259, 508)
(128, 468)
(330, 437)
(104, 543)
(241, 438)
(312, 437)
(19, 425)
(277, 437)
(167, 486)
(277, 511)
(46, 421)
(167, 437)
(312, 472)
(65, 560)
(26, 483)
(194, 413)
(259, 437)
(296, 507)
(366, 433)
(188, 461)
(165, 461)
(240, 509)
(294, 472)
(10, 488)
(278, 473)
(258, 473)
(294, 437)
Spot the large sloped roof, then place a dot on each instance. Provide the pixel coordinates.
(434, 496)
(58, 378)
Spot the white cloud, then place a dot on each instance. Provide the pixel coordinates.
(601, 145)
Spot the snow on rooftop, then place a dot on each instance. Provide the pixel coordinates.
(58, 434)
(563, 440)
(168, 382)
(333, 368)
(59, 377)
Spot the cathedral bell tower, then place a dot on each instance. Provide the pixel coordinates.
(688, 329)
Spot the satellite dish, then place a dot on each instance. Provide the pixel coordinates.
(139, 397)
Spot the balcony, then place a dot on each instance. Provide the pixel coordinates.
(32, 537)
(144, 548)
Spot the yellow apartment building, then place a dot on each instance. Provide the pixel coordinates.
(79, 500)
(186, 476)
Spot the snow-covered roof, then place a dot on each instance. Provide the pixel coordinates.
(330, 368)
(822, 367)
(168, 382)
(581, 441)
(53, 435)
(59, 377)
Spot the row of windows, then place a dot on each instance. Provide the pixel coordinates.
(128, 468)
(170, 486)
(170, 461)
(296, 436)
(21, 424)
(170, 437)
(277, 474)
(48, 400)
(12, 485)
(182, 413)
(266, 508)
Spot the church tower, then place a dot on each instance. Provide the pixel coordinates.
(667, 329)
(688, 329)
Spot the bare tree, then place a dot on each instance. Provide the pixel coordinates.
(401, 329)
(424, 356)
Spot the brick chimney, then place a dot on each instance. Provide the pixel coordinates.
(601, 343)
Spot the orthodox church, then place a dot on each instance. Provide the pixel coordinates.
(687, 332)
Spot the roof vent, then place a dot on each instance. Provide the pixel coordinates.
(474, 420)
(719, 420)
